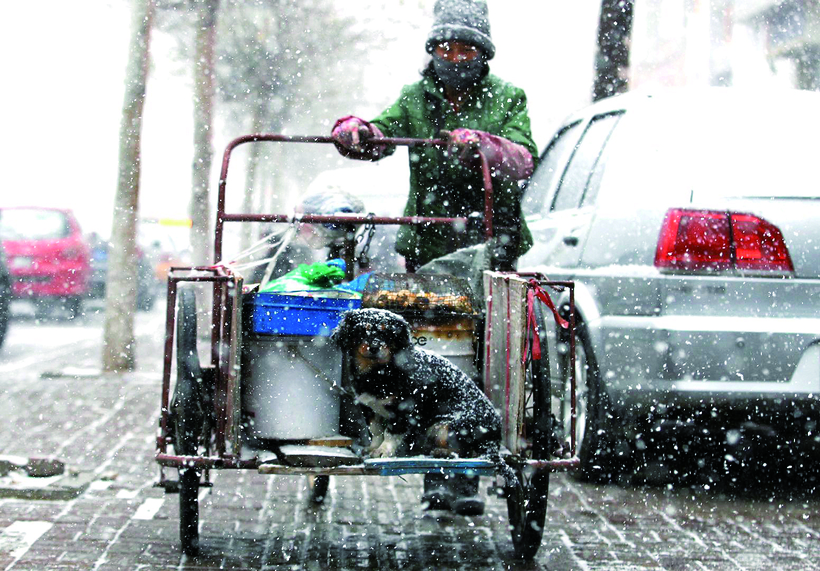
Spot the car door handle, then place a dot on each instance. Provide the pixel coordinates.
(571, 240)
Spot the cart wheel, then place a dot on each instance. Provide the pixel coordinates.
(189, 419)
(318, 486)
(527, 501)
(527, 511)
(187, 406)
(189, 511)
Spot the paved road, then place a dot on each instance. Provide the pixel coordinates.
(53, 403)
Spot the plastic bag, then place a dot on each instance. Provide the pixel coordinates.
(468, 263)
(355, 286)
(307, 277)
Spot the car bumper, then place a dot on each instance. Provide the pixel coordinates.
(697, 359)
(45, 285)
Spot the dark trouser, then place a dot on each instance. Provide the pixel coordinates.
(460, 485)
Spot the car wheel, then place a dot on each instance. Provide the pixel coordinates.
(5, 312)
(145, 301)
(43, 308)
(74, 307)
(595, 441)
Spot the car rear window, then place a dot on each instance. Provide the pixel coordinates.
(550, 167)
(582, 164)
(713, 154)
(31, 224)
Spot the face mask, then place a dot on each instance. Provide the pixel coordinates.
(461, 75)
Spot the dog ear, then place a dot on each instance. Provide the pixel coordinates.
(400, 331)
(339, 336)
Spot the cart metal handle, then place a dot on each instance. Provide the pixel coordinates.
(222, 216)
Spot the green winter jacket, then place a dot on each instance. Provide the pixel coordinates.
(439, 184)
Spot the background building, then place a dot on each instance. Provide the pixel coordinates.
(744, 43)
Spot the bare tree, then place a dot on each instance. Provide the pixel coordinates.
(204, 81)
(280, 60)
(267, 61)
(612, 60)
(121, 290)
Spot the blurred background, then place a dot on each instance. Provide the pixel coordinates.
(64, 68)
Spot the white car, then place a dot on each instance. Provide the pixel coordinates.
(690, 222)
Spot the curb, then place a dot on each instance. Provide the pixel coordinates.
(64, 487)
(72, 373)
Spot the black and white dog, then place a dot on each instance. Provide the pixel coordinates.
(418, 402)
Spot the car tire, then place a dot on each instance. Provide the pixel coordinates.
(5, 311)
(145, 301)
(596, 442)
(74, 306)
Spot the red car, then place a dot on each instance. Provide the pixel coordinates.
(48, 258)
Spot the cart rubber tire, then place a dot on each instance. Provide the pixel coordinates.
(527, 511)
(188, 419)
(187, 356)
(187, 404)
(527, 500)
(189, 511)
(319, 486)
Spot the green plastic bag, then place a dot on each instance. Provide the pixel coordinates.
(321, 275)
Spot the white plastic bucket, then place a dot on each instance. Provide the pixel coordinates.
(287, 387)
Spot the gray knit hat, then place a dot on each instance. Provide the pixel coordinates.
(465, 20)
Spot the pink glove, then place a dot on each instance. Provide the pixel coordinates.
(503, 156)
(351, 135)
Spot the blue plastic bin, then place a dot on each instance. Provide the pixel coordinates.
(283, 314)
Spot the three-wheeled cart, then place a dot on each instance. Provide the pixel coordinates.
(269, 394)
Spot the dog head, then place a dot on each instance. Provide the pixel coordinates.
(372, 337)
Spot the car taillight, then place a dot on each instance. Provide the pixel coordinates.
(707, 240)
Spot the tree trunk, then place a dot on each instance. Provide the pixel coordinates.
(121, 288)
(249, 199)
(272, 179)
(612, 60)
(201, 234)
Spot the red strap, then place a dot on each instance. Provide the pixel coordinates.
(535, 290)
(532, 325)
(543, 296)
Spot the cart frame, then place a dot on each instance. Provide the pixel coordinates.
(223, 442)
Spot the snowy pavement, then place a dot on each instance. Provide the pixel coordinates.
(105, 426)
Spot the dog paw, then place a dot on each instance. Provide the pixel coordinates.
(443, 453)
(387, 448)
(375, 442)
(383, 451)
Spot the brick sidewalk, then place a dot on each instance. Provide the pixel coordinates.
(106, 427)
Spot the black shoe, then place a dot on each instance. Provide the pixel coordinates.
(437, 499)
(470, 505)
